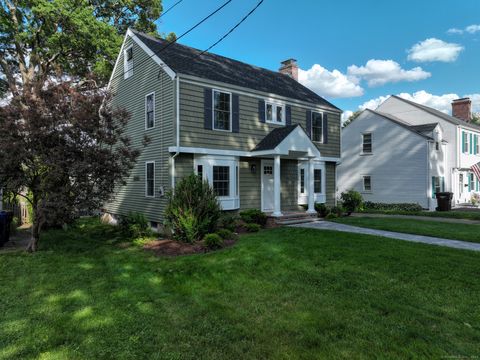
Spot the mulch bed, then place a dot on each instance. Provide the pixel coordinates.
(168, 247)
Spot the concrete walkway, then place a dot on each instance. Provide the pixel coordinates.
(327, 225)
(421, 218)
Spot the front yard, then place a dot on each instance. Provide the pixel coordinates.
(282, 293)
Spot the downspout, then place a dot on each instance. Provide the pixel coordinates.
(177, 130)
(429, 178)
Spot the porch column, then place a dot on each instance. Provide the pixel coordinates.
(311, 197)
(276, 187)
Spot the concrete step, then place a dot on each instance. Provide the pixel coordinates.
(296, 221)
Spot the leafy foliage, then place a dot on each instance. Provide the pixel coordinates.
(254, 216)
(228, 221)
(213, 241)
(322, 209)
(252, 227)
(225, 234)
(351, 201)
(192, 210)
(337, 210)
(351, 118)
(135, 225)
(409, 207)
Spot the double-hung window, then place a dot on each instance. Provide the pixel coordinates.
(222, 111)
(317, 127)
(465, 142)
(128, 62)
(471, 184)
(317, 181)
(150, 179)
(367, 143)
(274, 113)
(150, 111)
(221, 180)
(367, 183)
(302, 181)
(477, 145)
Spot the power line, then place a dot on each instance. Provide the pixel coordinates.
(178, 38)
(170, 8)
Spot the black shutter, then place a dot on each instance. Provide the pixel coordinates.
(261, 110)
(208, 109)
(325, 128)
(235, 114)
(288, 115)
(309, 123)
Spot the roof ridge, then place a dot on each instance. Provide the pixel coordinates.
(397, 121)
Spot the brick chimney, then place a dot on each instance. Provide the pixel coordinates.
(462, 109)
(289, 67)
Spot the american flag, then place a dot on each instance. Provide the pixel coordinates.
(476, 170)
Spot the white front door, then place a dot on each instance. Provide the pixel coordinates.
(267, 186)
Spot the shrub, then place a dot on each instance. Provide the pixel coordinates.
(338, 211)
(408, 207)
(254, 216)
(331, 216)
(213, 241)
(134, 225)
(225, 234)
(228, 221)
(192, 210)
(322, 209)
(252, 227)
(351, 201)
(475, 199)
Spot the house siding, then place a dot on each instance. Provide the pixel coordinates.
(130, 94)
(289, 185)
(331, 183)
(250, 184)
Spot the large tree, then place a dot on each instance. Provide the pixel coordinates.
(67, 147)
(44, 38)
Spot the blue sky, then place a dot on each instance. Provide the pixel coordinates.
(354, 53)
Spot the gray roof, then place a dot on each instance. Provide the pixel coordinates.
(425, 128)
(402, 123)
(274, 138)
(451, 119)
(186, 60)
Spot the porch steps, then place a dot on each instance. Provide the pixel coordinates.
(295, 218)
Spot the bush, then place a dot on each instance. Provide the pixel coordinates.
(228, 221)
(322, 209)
(254, 216)
(134, 225)
(252, 227)
(351, 201)
(475, 199)
(192, 210)
(225, 234)
(331, 216)
(338, 211)
(213, 241)
(408, 207)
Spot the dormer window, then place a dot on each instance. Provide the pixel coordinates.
(128, 62)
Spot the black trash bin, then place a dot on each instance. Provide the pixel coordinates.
(6, 218)
(444, 201)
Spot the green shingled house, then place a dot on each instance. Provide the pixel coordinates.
(259, 137)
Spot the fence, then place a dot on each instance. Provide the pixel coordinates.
(20, 211)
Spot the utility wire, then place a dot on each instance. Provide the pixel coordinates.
(178, 38)
(170, 8)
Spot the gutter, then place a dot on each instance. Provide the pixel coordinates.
(177, 129)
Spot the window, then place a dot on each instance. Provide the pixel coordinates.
(221, 111)
(472, 182)
(317, 127)
(268, 170)
(465, 142)
(317, 181)
(367, 183)
(302, 181)
(128, 62)
(221, 180)
(200, 171)
(150, 179)
(436, 185)
(477, 145)
(367, 143)
(437, 146)
(150, 111)
(274, 113)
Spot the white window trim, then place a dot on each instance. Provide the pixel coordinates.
(363, 184)
(127, 73)
(213, 110)
(318, 197)
(154, 105)
(274, 105)
(371, 143)
(466, 149)
(146, 179)
(322, 137)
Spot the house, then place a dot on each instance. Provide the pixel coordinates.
(260, 138)
(406, 152)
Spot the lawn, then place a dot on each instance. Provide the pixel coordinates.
(465, 232)
(281, 293)
(457, 214)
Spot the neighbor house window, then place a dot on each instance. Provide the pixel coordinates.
(200, 171)
(472, 182)
(477, 144)
(128, 62)
(317, 127)
(150, 179)
(302, 181)
(367, 183)
(317, 181)
(437, 146)
(221, 180)
(367, 143)
(274, 113)
(221, 110)
(150, 111)
(465, 142)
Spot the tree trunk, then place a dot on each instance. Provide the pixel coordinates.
(33, 243)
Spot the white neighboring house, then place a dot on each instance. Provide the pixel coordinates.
(388, 160)
(404, 169)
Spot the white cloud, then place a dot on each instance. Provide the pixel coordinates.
(434, 50)
(454, 31)
(330, 84)
(380, 72)
(345, 115)
(472, 29)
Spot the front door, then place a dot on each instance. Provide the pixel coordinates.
(267, 186)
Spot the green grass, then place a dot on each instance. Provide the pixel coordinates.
(283, 293)
(469, 215)
(465, 232)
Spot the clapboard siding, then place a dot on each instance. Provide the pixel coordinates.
(250, 184)
(252, 131)
(289, 188)
(130, 94)
(331, 183)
